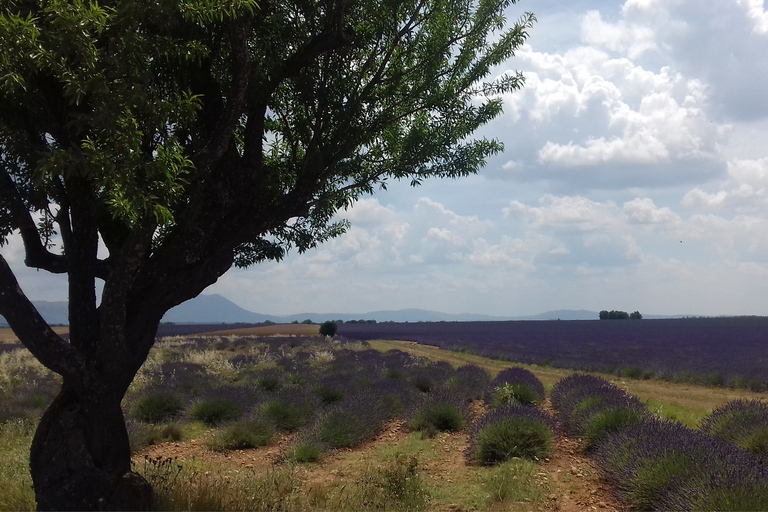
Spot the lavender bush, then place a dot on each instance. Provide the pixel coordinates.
(590, 406)
(515, 385)
(510, 430)
(662, 465)
(743, 423)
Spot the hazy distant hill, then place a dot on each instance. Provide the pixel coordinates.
(215, 309)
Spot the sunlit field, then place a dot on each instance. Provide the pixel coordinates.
(278, 418)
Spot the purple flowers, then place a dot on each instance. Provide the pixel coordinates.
(515, 385)
(743, 423)
(711, 351)
(663, 465)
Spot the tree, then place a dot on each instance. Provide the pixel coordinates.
(182, 137)
(328, 328)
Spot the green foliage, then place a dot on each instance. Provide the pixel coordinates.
(734, 499)
(215, 411)
(396, 485)
(440, 416)
(242, 435)
(157, 407)
(305, 450)
(632, 372)
(15, 480)
(645, 488)
(285, 415)
(510, 393)
(341, 429)
(328, 328)
(513, 482)
(513, 436)
(609, 420)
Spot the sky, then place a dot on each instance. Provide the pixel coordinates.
(634, 177)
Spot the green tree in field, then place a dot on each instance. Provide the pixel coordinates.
(328, 328)
(182, 137)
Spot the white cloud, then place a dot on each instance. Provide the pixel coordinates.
(745, 189)
(757, 14)
(573, 213)
(644, 211)
(624, 38)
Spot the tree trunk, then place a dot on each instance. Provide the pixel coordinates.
(80, 457)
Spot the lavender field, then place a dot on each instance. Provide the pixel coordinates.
(730, 351)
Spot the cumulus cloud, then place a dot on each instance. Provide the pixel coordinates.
(644, 211)
(745, 189)
(757, 14)
(572, 213)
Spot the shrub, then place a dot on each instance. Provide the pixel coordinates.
(156, 407)
(662, 465)
(590, 406)
(215, 411)
(305, 450)
(288, 412)
(470, 380)
(515, 385)
(328, 328)
(511, 393)
(328, 395)
(609, 420)
(740, 422)
(509, 431)
(242, 435)
(632, 372)
(341, 429)
(440, 416)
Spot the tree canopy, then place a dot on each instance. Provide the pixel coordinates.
(154, 144)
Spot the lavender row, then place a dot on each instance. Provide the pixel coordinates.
(661, 465)
(714, 351)
(590, 407)
(330, 396)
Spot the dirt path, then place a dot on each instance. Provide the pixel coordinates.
(577, 485)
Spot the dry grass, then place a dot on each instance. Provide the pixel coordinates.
(271, 330)
(7, 336)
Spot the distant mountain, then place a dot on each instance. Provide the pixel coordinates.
(215, 309)
(563, 314)
(55, 313)
(212, 309)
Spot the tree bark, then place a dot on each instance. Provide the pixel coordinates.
(80, 457)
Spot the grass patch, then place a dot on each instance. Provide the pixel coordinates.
(15, 480)
(242, 435)
(674, 411)
(512, 437)
(513, 482)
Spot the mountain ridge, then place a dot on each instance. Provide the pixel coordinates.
(214, 308)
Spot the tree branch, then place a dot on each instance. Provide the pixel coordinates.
(222, 133)
(37, 256)
(33, 331)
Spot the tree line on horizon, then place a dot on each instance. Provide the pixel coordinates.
(620, 315)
